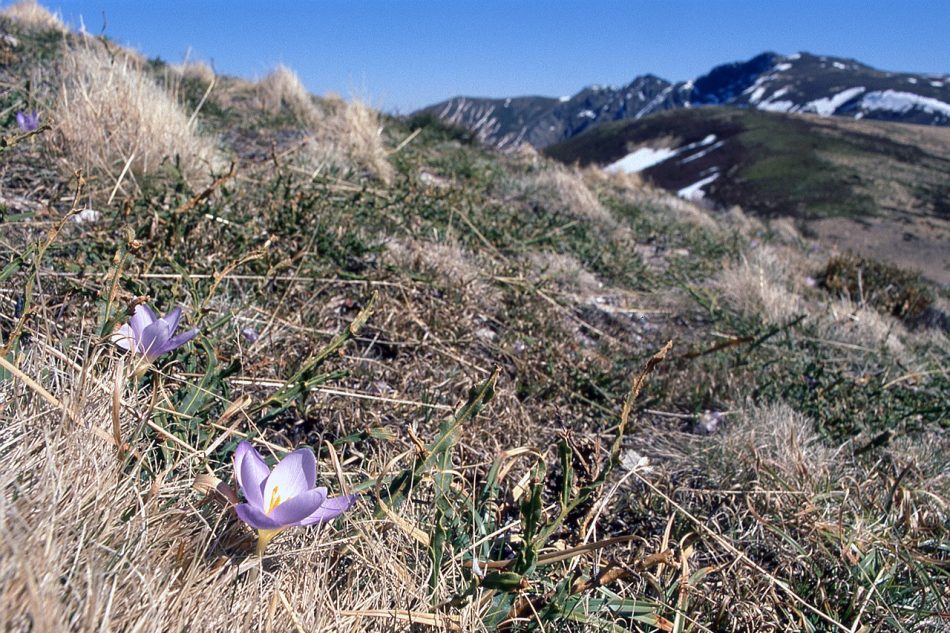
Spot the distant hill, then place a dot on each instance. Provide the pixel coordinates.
(822, 85)
(891, 179)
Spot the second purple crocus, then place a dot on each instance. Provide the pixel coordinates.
(151, 336)
(284, 498)
(28, 121)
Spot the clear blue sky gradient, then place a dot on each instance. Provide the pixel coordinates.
(403, 54)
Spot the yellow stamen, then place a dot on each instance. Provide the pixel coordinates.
(274, 500)
(264, 537)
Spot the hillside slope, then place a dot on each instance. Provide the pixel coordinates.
(562, 398)
(888, 182)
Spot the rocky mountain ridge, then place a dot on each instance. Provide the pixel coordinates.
(802, 82)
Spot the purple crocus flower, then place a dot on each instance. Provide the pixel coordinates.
(151, 336)
(283, 498)
(28, 121)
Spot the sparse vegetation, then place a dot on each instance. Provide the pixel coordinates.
(467, 339)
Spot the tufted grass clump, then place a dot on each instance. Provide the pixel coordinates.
(889, 289)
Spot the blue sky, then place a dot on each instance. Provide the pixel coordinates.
(403, 54)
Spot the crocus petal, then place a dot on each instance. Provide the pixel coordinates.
(172, 318)
(21, 121)
(124, 337)
(141, 319)
(329, 509)
(293, 510)
(153, 339)
(250, 472)
(295, 474)
(177, 341)
(255, 518)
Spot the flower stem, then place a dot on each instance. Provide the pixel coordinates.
(264, 538)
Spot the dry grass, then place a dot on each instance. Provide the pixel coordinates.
(448, 263)
(631, 188)
(621, 181)
(31, 14)
(109, 114)
(564, 271)
(776, 440)
(764, 282)
(281, 89)
(773, 503)
(351, 135)
(862, 325)
(345, 136)
(784, 230)
(770, 281)
(84, 544)
(563, 191)
(201, 71)
(749, 226)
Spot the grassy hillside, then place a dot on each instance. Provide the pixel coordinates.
(476, 343)
(875, 188)
(779, 164)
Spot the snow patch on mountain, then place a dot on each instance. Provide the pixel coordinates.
(646, 157)
(778, 106)
(757, 94)
(656, 101)
(771, 103)
(702, 153)
(895, 101)
(709, 139)
(640, 159)
(695, 190)
(768, 82)
(827, 105)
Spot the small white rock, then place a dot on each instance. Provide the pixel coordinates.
(86, 216)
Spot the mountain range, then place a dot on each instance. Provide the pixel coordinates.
(798, 83)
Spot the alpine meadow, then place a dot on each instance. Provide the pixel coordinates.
(277, 362)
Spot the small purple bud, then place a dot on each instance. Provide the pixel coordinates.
(250, 334)
(28, 121)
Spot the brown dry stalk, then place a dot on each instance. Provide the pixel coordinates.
(36, 387)
(206, 193)
(640, 380)
(451, 622)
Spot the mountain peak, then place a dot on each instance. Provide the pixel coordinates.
(723, 83)
(801, 82)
